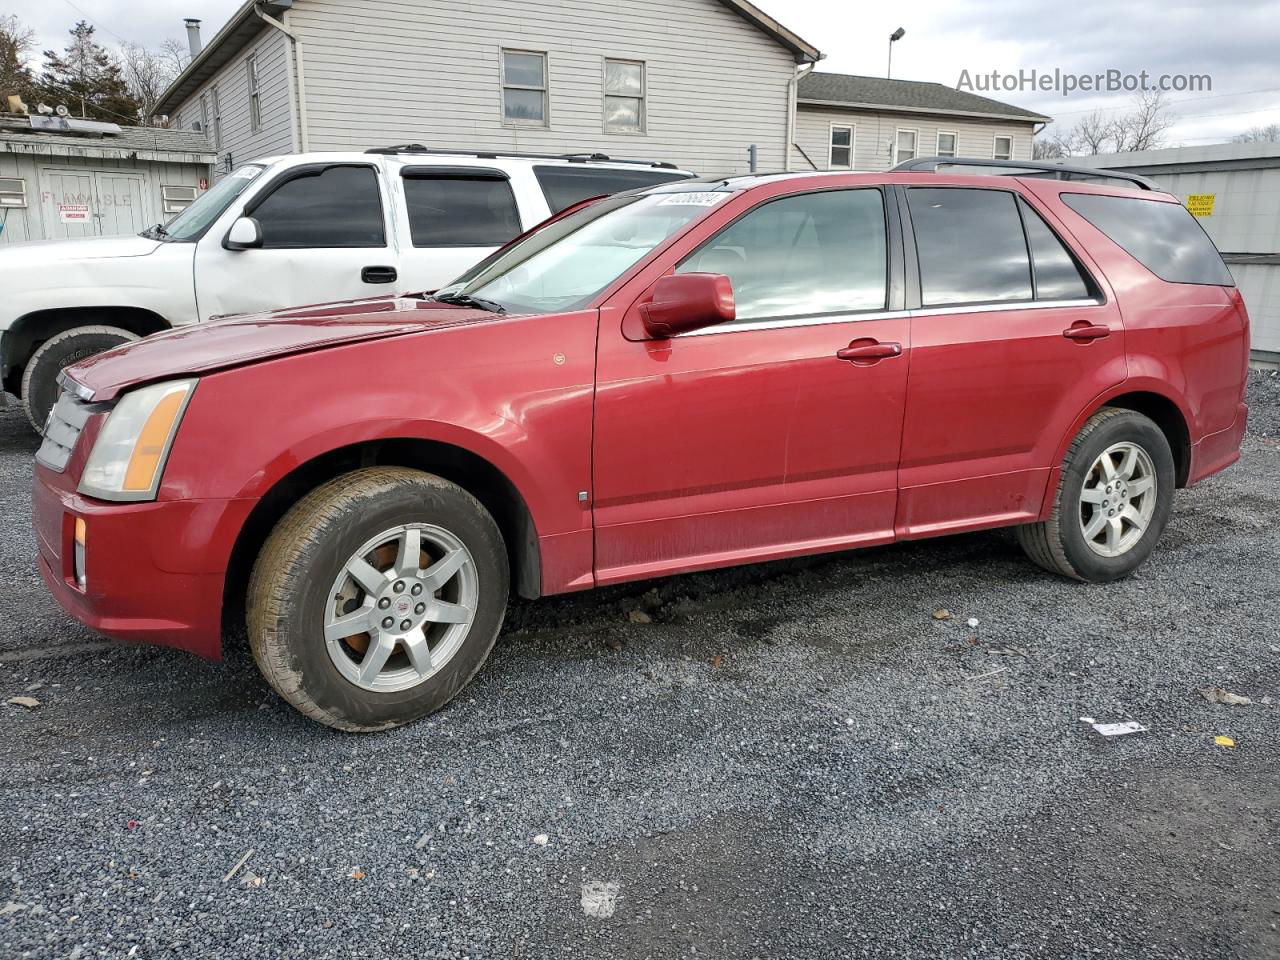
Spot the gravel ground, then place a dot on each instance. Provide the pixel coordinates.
(791, 760)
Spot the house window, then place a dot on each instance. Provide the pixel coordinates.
(13, 192)
(524, 88)
(841, 152)
(216, 129)
(177, 198)
(203, 125)
(623, 96)
(946, 144)
(255, 104)
(905, 148)
(1003, 148)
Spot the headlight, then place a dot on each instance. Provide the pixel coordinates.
(128, 457)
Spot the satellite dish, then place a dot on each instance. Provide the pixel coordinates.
(62, 111)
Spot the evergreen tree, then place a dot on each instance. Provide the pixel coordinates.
(88, 80)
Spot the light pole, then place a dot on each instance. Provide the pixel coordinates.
(895, 36)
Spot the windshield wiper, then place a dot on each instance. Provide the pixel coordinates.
(467, 300)
(155, 232)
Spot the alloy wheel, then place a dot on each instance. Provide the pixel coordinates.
(1118, 499)
(401, 607)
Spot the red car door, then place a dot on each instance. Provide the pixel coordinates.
(772, 435)
(1013, 337)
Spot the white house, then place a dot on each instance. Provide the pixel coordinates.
(693, 82)
(870, 123)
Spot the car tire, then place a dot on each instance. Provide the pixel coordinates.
(1103, 527)
(317, 577)
(40, 377)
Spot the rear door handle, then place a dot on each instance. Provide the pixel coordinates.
(1086, 331)
(378, 274)
(866, 351)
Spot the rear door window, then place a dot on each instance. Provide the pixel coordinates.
(447, 210)
(1161, 236)
(970, 245)
(323, 207)
(805, 255)
(563, 186)
(1055, 272)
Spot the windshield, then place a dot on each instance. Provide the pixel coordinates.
(193, 221)
(568, 263)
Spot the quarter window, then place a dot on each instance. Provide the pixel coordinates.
(802, 256)
(841, 155)
(563, 186)
(255, 103)
(946, 144)
(1055, 273)
(1003, 148)
(1162, 236)
(462, 211)
(906, 146)
(327, 207)
(624, 96)
(524, 88)
(970, 246)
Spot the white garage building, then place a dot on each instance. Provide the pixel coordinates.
(93, 179)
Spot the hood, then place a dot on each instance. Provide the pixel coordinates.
(236, 341)
(44, 252)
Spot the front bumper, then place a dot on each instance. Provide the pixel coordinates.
(155, 572)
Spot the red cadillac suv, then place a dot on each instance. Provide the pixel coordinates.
(688, 376)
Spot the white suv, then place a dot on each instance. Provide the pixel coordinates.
(283, 232)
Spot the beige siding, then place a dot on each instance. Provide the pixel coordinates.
(392, 71)
(875, 132)
(276, 133)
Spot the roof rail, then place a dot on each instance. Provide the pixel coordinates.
(1028, 168)
(495, 154)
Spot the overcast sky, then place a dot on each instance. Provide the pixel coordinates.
(1235, 42)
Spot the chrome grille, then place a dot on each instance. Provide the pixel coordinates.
(62, 430)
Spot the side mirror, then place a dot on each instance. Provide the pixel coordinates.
(245, 234)
(688, 301)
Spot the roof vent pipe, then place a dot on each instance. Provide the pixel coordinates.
(193, 36)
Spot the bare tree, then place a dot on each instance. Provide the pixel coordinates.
(148, 74)
(16, 44)
(1091, 134)
(1268, 134)
(1145, 126)
(175, 53)
(1047, 148)
(1142, 128)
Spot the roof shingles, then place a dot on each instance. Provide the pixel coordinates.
(842, 88)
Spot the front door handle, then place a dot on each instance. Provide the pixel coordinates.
(378, 274)
(866, 351)
(1085, 332)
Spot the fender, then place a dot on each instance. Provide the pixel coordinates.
(1161, 388)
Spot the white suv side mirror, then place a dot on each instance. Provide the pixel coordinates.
(245, 234)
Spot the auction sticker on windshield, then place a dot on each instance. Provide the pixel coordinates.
(692, 199)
